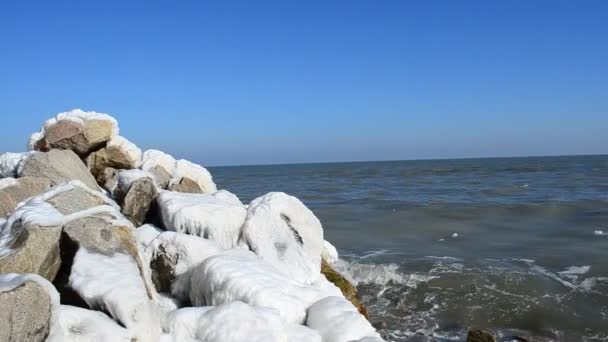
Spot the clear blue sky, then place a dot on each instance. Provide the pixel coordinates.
(247, 82)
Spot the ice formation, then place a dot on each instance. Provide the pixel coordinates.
(12, 163)
(241, 275)
(208, 216)
(131, 150)
(283, 231)
(337, 320)
(73, 324)
(178, 169)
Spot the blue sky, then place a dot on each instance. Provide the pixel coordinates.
(249, 82)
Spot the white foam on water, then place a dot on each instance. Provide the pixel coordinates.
(600, 233)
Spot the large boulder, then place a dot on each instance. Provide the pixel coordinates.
(177, 175)
(58, 166)
(119, 153)
(283, 231)
(134, 190)
(215, 217)
(76, 130)
(74, 324)
(26, 308)
(13, 191)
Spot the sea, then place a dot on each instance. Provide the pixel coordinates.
(514, 246)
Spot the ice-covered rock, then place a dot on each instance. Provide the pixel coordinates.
(119, 153)
(135, 192)
(74, 324)
(76, 130)
(13, 191)
(114, 284)
(11, 163)
(329, 253)
(177, 175)
(27, 302)
(208, 216)
(283, 231)
(58, 166)
(346, 287)
(234, 322)
(241, 275)
(172, 257)
(337, 320)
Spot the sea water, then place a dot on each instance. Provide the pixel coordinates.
(516, 246)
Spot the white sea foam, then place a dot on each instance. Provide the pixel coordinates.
(600, 233)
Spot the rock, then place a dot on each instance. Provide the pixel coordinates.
(135, 191)
(78, 324)
(187, 185)
(58, 166)
(479, 336)
(161, 176)
(283, 231)
(348, 290)
(99, 132)
(202, 215)
(26, 309)
(119, 153)
(172, 257)
(77, 198)
(187, 172)
(34, 250)
(19, 190)
(64, 135)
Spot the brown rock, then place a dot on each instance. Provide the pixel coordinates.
(108, 157)
(64, 135)
(479, 336)
(24, 188)
(98, 132)
(138, 200)
(187, 185)
(25, 314)
(348, 290)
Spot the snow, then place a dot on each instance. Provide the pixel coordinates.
(203, 215)
(330, 253)
(114, 284)
(125, 178)
(234, 322)
(153, 158)
(337, 320)
(76, 115)
(283, 231)
(8, 182)
(197, 173)
(187, 250)
(73, 324)
(10, 281)
(11, 163)
(241, 275)
(227, 196)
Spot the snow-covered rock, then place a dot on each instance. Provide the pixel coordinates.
(241, 275)
(74, 324)
(234, 322)
(76, 130)
(27, 302)
(114, 284)
(337, 320)
(177, 175)
(119, 153)
(283, 231)
(172, 257)
(13, 191)
(208, 216)
(135, 191)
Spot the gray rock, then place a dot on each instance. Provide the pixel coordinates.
(138, 200)
(161, 176)
(25, 314)
(100, 236)
(187, 185)
(58, 166)
(35, 250)
(24, 188)
(75, 200)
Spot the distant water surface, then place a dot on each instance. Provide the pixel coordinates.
(518, 246)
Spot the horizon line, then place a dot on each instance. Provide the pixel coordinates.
(416, 159)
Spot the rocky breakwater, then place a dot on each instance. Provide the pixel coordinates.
(101, 241)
